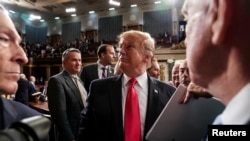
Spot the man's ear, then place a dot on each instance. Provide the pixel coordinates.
(222, 16)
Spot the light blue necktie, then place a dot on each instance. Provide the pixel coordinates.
(217, 121)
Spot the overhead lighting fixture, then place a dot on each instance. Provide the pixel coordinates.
(70, 10)
(73, 15)
(116, 3)
(34, 17)
(110, 9)
(57, 18)
(133, 5)
(157, 2)
(91, 12)
(11, 11)
(42, 20)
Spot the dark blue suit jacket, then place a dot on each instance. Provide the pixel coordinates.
(90, 73)
(65, 105)
(102, 119)
(12, 111)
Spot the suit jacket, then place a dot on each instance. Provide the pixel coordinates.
(22, 93)
(90, 73)
(65, 105)
(102, 119)
(31, 90)
(12, 111)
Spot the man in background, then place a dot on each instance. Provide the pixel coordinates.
(184, 77)
(102, 69)
(175, 75)
(154, 70)
(67, 96)
(22, 93)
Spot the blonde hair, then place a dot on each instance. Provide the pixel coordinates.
(148, 43)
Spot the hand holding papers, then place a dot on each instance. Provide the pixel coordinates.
(184, 122)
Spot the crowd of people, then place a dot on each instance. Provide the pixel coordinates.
(124, 106)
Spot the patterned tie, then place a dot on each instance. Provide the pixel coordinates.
(132, 114)
(103, 72)
(82, 90)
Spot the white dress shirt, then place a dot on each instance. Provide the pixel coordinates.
(238, 109)
(142, 90)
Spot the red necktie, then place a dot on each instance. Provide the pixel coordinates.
(132, 114)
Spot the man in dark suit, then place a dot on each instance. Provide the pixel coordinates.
(106, 55)
(12, 56)
(22, 94)
(66, 97)
(104, 117)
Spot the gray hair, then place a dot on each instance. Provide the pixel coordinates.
(68, 51)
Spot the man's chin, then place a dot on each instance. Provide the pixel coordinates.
(9, 89)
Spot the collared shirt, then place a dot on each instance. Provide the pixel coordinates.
(142, 91)
(100, 66)
(81, 88)
(237, 110)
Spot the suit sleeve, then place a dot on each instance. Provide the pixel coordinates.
(83, 76)
(57, 106)
(86, 130)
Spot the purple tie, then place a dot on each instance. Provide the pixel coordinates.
(103, 72)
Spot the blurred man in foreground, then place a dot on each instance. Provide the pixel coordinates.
(11, 57)
(217, 60)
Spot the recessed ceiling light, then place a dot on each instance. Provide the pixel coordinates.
(91, 12)
(157, 2)
(34, 17)
(11, 11)
(116, 3)
(110, 9)
(70, 10)
(57, 18)
(133, 5)
(73, 15)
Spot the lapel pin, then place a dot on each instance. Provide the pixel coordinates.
(156, 91)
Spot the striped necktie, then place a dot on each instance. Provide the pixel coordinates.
(104, 72)
(82, 90)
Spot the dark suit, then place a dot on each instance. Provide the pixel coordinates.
(22, 93)
(102, 120)
(65, 105)
(31, 90)
(12, 111)
(90, 73)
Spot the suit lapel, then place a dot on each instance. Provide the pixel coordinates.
(110, 71)
(8, 113)
(153, 98)
(69, 82)
(116, 105)
(95, 70)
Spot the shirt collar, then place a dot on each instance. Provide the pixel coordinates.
(237, 111)
(140, 79)
(100, 66)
